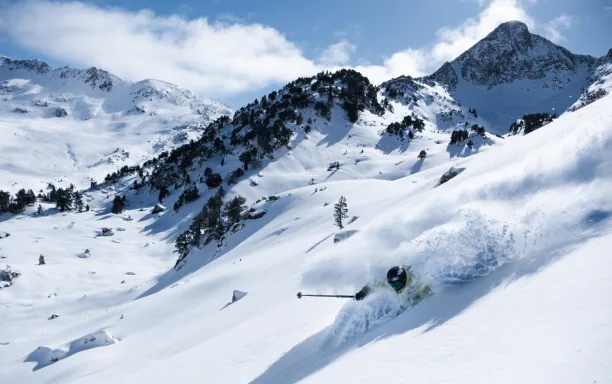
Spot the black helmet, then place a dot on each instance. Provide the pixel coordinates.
(397, 277)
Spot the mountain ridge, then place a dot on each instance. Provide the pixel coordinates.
(129, 121)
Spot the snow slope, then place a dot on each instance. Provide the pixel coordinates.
(514, 247)
(108, 122)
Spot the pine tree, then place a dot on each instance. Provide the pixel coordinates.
(64, 199)
(233, 208)
(163, 192)
(87, 208)
(184, 243)
(78, 201)
(40, 210)
(118, 204)
(340, 211)
(41, 260)
(5, 199)
(219, 230)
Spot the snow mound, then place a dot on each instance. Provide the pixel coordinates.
(45, 356)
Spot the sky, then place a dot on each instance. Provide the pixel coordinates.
(236, 50)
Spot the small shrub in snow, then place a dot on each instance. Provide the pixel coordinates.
(7, 275)
(334, 165)
(41, 260)
(273, 198)
(60, 112)
(479, 129)
(106, 232)
(20, 110)
(459, 136)
(422, 154)
(54, 316)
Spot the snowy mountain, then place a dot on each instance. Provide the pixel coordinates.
(51, 117)
(187, 266)
(512, 72)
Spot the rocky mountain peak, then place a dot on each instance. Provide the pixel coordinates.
(510, 52)
(514, 32)
(36, 66)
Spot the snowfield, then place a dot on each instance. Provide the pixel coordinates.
(515, 247)
(69, 125)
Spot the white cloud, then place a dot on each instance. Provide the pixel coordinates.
(409, 62)
(221, 58)
(454, 41)
(337, 54)
(553, 27)
(215, 59)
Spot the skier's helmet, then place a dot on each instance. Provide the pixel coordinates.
(397, 277)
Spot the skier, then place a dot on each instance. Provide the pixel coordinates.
(402, 281)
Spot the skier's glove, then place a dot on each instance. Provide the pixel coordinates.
(360, 295)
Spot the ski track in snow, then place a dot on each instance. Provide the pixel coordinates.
(72, 156)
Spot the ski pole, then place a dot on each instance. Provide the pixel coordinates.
(300, 295)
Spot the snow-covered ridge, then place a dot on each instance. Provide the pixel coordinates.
(50, 117)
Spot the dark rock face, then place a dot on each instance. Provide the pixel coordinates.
(509, 53)
(35, 66)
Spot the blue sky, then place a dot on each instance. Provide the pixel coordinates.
(235, 50)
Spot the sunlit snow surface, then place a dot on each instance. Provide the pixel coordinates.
(515, 247)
